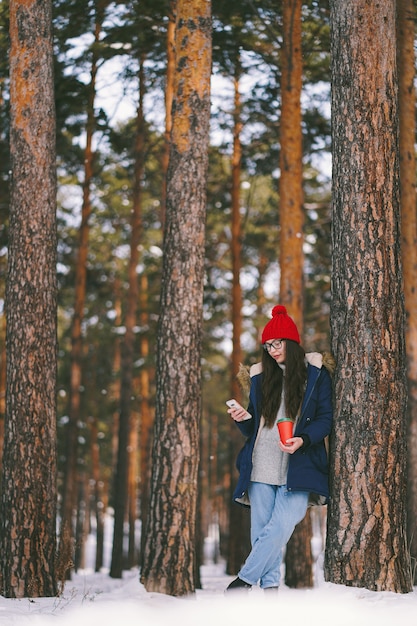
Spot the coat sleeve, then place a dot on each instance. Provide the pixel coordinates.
(317, 420)
(248, 427)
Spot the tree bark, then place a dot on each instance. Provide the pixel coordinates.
(99, 510)
(366, 539)
(169, 96)
(126, 456)
(28, 508)
(291, 214)
(169, 557)
(298, 556)
(407, 104)
(147, 417)
(69, 497)
(146, 414)
(2, 384)
(239, 521)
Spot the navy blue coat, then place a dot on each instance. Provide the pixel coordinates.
(308, 467)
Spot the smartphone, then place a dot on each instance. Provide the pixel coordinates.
(233, 404)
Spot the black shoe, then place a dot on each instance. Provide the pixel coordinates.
(238, 585)
(271, 589)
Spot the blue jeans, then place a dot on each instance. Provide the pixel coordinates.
(275, 512)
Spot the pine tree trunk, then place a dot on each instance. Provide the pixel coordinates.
(2, 385)
(298, 557)
(366, 539)
(115, 386)
(169, 96)
(291, 215)
(239, 520)
(133, 489)
(146, 414)
(407, 104)
(126, 456)
(236, 243)
(97, 493)
(28, 508)
(169, 557)
(81, 522)
(69, 497)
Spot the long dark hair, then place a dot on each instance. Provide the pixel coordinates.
(273, 380)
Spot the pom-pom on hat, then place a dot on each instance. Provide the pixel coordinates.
(281, 326)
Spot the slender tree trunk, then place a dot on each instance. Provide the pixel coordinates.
(263, 265)
(199, 538)
(2, 385)
(136, 417)
(28, 507)
(133, 488)
(97, 493)
(298, 556)
(205, 476)
(82, 521)
(74, 413)
(126, 456)
(366, 539)
(407, 105)
(146, 414)
(115, 387)
(291, 165)
(100, 512)
(169, 557)
(236, 243)
(239, 533)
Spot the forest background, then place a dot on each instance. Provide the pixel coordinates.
(111, 168)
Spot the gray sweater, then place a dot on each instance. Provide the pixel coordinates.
(270, 464)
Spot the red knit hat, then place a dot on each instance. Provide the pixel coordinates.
(281, 326)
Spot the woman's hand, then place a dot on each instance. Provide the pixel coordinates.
(292, 445)
(239, 414)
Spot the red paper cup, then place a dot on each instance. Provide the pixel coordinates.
(285, 428)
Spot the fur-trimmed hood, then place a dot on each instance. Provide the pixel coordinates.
(320, 360)
(317, 359)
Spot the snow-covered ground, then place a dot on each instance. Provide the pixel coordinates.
(98, 600)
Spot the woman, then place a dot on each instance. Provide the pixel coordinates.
(278, 479)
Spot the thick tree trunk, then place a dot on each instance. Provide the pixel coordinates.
(147, 417)
(28, 508)
(366, 539)
(407, 104)
(169, 558)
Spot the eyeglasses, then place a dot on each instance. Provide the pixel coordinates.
(274, 345)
